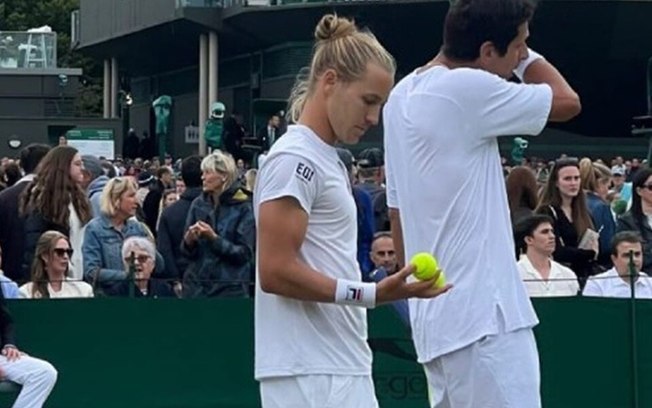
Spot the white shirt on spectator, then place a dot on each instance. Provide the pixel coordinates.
(445, 176)
(294, 337)
(561, 282)
(610, 284)
(69, 289)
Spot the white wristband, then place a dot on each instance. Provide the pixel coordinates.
(520, 69)
(355, 293)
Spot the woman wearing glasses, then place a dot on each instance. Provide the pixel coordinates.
(639, 217)
(564, 201)
(140, 254)
(50, 270)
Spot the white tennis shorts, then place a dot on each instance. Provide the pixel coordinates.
(318, 391)
(499, 371)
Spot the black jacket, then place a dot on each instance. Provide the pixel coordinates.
(35, 226)
(170, 234)
(155, 289)
(12, 232)
(628, 223)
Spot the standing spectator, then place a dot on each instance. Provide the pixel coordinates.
(131, 145)
(12, 225)
(564, 201)
(106, 233)
(233, 134)
(12, 174)
(638, 217)
(8, 287)
(616, 282)
(220, 233)
(145, 180)
(535, 237)
(268, 135)
(36, 376)
(50, 271)
(365, 216)
(54, 200)
(152, 202)
(173, 220)
(250, 179)
(142, 252)
(522, 196)
(94, 181)
(620, 187)
(633, 169)
(618, 165)
(596, 179)
(371, 173)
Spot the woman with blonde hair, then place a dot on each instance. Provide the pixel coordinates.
(55, 200)
(220, 233)
(106, 233)
(596, 179)
(50, 270)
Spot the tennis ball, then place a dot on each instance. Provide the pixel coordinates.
(426, 268)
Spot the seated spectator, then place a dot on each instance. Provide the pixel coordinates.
(9, 288)
(543, 277)
(50, 271)
(140, 253)
(596, 179)
(106, 233)
(564, 201)
(382, 252)
(220, 233)
(616, 281)
(637, 218)
(522, 193)
(37, 377)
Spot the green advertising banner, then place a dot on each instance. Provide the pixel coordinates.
(198, 353)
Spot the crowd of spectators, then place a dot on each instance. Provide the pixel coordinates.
(74, 225)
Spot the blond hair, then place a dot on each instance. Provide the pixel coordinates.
(591, 173)
(113, 191)
(342, 47)
(223, 163)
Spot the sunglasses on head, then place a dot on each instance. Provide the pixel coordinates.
(60, 252)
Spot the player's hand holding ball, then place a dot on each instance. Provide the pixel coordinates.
(427, 268)
(431, 281)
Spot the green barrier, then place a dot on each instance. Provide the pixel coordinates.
(164, 353)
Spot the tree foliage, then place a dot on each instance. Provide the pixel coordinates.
(21, 15)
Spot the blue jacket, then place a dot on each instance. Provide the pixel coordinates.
(102, 248)
(604, 222)
(365, 229)
(223, 267)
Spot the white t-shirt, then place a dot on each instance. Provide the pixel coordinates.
(295, 337)
(610, 284)
(445, 177)
(561, 282)
(69, 289)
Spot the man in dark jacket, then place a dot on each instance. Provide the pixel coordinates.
(36, 376)
(173, 219)
(12, 226)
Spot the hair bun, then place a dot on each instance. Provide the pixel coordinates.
(332, 27)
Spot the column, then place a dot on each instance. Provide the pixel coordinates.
(115, 83)
(203, 91)
(106, 88)
(212, 67)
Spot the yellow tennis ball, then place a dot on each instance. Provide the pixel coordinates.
(441, 280)
(425, 265)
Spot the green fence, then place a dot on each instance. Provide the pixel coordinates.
(155, 353)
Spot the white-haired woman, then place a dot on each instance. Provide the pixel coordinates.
(106, 233)
(220, 233)
(140, 254)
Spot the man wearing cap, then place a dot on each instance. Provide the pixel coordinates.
(622, 188)
(371, 175)
(94, 181)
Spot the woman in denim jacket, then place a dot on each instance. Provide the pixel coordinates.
(106, 233)
(220, 233)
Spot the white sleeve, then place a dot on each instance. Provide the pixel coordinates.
(390, 172)
(592, 288)
(504, 108)
(288, 175)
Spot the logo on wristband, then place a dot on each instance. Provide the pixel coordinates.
(354, 294)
